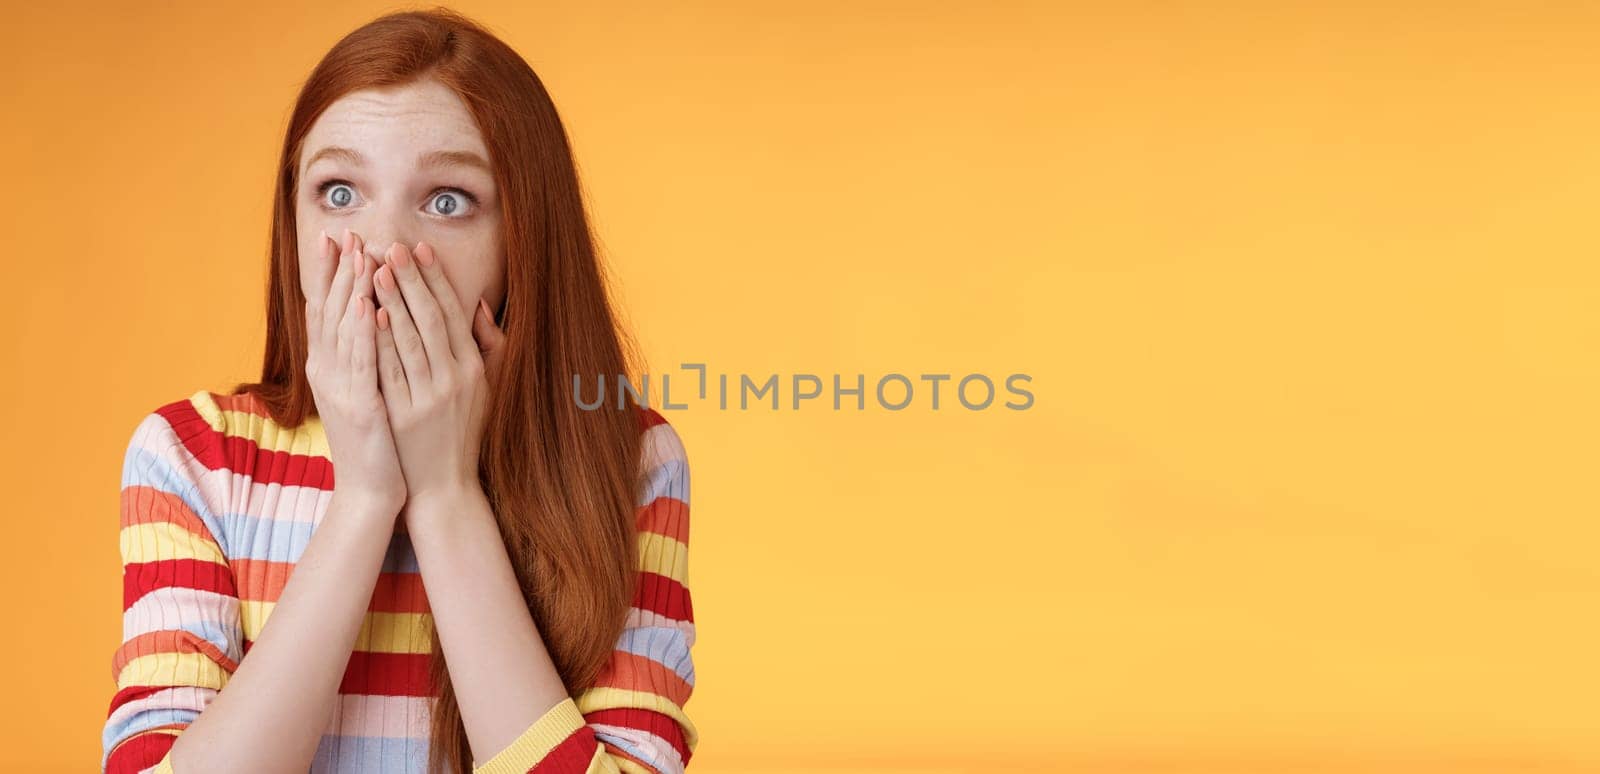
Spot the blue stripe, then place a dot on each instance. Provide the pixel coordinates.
(283, 540)
(660, 643)
(143, 720)
(633, 749)
(142, 467)
(669, 479)
(369, 753)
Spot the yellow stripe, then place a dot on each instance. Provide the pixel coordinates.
(172, 669)
(664, 556)
(608, 697)
(308, 439)
(560, 721)
(153, 541)
(206, 406)
(164, 766)
(395, 633)
(380, 632)
(252, 616)
(622, 765)
(532, 745)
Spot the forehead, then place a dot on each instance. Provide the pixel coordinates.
(411, 119)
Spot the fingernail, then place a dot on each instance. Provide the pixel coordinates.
(385, 277)
(424, 257)
(402, 256)
(483, 309)
(344, 240)
(383, 319)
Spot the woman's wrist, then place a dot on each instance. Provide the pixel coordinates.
(366, 504)
(445, 503)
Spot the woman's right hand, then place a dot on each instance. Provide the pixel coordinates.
(341, 365)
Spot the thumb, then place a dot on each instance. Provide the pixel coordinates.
(491, 340)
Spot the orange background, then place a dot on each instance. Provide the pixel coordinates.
(1308, 295)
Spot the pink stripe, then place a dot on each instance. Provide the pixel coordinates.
(661, 444)
(282, 503)
(652, 748)
(180, 697)
(639, 618)
(158, 438)
(170, 607)
(372, 716)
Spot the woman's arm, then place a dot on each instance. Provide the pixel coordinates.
(276, 706)
(502, 675)
(517, 712)
(187, 699)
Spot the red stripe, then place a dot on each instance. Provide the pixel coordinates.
(141, 578)
(387, 674)
(571, 756)
(649, 417)
(243, 455)
(399, 592)
(168, 641)
(382, 674)
(197, 435)
(663, 595)
(633, 671)
(132, 693)
(261, 580)
(643, 720)
(139, 753)
(146, 504)
(665, 516)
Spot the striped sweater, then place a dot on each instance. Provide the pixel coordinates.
(218, 502)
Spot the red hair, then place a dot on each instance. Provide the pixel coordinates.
(562, 480)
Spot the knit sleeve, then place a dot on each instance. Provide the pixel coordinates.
(632, 719)
(181, 632)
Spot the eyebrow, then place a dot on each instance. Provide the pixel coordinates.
(439, 158)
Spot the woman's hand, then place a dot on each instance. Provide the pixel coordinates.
(341, 367)
(436, 366)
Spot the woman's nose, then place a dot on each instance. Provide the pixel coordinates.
(379, 251)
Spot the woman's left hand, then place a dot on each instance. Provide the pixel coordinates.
(435, 369)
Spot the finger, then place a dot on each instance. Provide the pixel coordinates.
(490, 340)
(391, 372)
(323, 261)
(347, 334)
(363, 350)
(365, 267)
(339, 290)
(362, 353)
(424, 309)
(456, 320)
(407, 340)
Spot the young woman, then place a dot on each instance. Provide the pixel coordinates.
(407, 547)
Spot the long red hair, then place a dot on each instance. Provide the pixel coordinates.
(562, 480)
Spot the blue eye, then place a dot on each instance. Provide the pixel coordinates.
(341, 198)
(448, 201)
